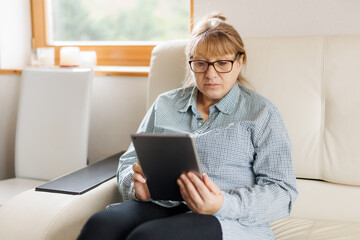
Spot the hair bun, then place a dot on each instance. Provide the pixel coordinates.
(218, 16)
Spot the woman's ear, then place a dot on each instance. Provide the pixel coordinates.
(241, 59)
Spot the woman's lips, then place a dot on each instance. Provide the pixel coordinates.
(211, 85)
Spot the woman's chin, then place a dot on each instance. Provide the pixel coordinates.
(214, 95)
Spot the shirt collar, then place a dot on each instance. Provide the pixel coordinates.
(192, 100)
(225, 105)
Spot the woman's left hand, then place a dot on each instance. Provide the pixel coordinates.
(202, 197)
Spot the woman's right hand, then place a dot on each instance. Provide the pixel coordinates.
(140, 185)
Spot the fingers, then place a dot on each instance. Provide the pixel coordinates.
(199, 185)
(210, 184)
(201, 197)
(137, 167)
(138, 173)
(193, 187)
(187, 196)
(188, 189)
(139, 178)
(140, 186)
(184, 193)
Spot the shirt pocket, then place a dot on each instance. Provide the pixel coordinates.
(225, 150)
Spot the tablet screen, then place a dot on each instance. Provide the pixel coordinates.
(163, 158)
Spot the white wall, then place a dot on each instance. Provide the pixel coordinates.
(15, 34)
(258, 18)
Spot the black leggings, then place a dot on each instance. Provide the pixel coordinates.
(135, 220)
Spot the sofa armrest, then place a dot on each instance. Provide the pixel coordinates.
(44, 215)
(85, 179)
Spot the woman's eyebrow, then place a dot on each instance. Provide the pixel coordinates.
(224, 57)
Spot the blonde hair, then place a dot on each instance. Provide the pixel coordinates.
(213, 36)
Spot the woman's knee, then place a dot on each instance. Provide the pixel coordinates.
(145, 231)
(98, 219)
(103, 226)
(94, 224)
(117, 221)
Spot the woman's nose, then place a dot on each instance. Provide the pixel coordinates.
(211, 72)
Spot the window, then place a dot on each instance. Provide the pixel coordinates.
(122, 32)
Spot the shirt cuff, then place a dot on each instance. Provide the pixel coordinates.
(224, 207)
(230, 208)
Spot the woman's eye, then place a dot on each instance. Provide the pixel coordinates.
(222, 63)
(200, 64)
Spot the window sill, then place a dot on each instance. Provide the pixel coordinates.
(103, 71)
(10, 71)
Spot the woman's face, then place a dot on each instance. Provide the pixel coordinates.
(214, 85)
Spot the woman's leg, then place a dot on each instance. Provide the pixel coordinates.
(118, 221)
(186, 226)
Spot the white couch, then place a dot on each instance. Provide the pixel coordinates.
(315, 83)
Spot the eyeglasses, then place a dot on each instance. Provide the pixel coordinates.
(221, 66)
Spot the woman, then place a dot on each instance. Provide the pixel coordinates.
(243, 147)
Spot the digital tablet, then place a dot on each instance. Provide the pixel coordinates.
(163, 158)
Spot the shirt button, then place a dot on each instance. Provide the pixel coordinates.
(199, 124)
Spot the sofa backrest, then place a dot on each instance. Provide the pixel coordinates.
(53, 122)
(315, 83)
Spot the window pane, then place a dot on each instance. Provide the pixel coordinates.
(118, 20)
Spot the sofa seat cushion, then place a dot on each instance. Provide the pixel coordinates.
(309, 229)
(12, 186)
(324, 200)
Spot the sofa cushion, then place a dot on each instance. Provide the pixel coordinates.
(340, 161)
(308, 229)
(167, 68)
(313, 80)
(330, 201)
(52, 122)
(288, 71)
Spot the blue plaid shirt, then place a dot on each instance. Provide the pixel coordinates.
(243, 147)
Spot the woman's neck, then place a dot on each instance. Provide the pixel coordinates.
(203, 104)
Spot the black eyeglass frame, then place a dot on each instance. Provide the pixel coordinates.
(212, 63)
